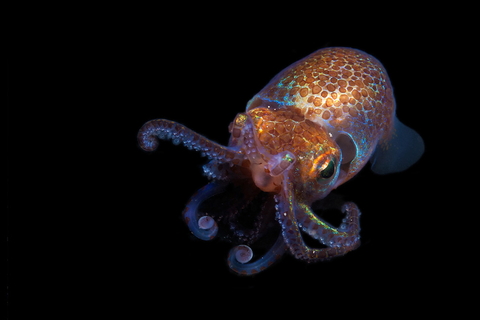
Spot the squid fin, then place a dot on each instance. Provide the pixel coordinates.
(404, 148)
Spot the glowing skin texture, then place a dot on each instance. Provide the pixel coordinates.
(312, 128)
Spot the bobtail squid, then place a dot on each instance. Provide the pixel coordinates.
(312, 128)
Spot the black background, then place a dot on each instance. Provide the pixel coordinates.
(96, 221)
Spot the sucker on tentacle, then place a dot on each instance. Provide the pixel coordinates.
(338, 240)
(250, 268)
(161, 129)
(203, 227)
(309, 130)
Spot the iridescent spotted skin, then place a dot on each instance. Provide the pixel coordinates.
(312, 128)
(343, 90)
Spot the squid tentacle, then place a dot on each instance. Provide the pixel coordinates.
(338, 245)
(346, 234)
(214, 171)
(150, 133)
(239, 264)
(203, 227)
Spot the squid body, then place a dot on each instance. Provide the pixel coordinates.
(313, 127)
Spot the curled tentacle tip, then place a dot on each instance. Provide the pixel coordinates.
(206, 223)
(149, 144)
(243, 253)
(350, 207)
(147, 140)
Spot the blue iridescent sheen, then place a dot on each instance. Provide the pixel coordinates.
(312, 128)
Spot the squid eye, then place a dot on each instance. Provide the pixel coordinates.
(328, 171)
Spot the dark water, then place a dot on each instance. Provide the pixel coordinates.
(94, 218)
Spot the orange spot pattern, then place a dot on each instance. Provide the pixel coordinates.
(340, 86)
(287, 130)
